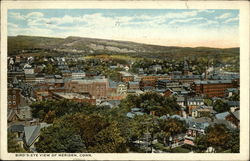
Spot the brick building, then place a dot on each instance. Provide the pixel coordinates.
(14, 97)
(97, 88)
(126, 77)
(133, 85)
(212, 88)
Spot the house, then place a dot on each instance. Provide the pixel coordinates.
(20, 114)
(180, 101)
(234, 118)
(230, 91)
(110, 103)
(196, 128)
(156, 67)
(193, 102)
(31, 135)
(221, 116)
(28, 70)
(18, 131)
(203, 111)
(135, 112)
(13, 116)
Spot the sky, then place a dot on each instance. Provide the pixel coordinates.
(168, 27)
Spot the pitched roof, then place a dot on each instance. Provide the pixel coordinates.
(222, 115)
(236, 114)
(32, 132)
(16, 128)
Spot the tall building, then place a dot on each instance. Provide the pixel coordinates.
(212, 88)
(97, 88)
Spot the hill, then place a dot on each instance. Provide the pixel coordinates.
(86, 46)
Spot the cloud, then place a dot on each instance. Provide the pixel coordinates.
(206, 11)
(223, 16)
(34, 15)
(16, 15)
(147, 28)
(186, 20)
(12, 25)
(231, 20)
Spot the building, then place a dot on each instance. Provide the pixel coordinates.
(31, 135)
(19, 74)
(133, 85)
(78, 74)
(230, 91)
(151, 80)
(97, 88)
(212, 88)
(122, 89)
(126, 76)
(76, 97)
(30, 78)
(180, 101)
(157, 68)
(164, 84)
(234, 118)
(14, 97)
(202, 111)
(186, 78)
(192, 103)
(28, 70)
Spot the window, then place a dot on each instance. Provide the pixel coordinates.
(14, 102)
(9, 102)
(14, 97)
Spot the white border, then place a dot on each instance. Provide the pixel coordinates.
(243, 6)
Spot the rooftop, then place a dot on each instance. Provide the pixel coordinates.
(125, 73)
(213, 81)
(70, 95)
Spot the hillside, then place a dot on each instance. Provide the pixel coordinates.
(86, 46)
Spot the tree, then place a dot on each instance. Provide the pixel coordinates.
(151, 101)
(200, 143)
(171, 127)
(221, 106)
(59, 139)
(49, 117)
(218, 136)
(235, 97)
(82, 133)
(13, 146)
(234, 142)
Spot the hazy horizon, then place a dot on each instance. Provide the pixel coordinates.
(129, 41)
(215, 28)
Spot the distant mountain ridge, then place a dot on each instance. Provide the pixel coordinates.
(84, 45)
